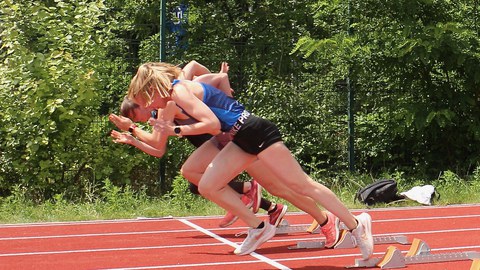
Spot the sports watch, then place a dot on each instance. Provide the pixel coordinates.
(131, 128)
(178, 131)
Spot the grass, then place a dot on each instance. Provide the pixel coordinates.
(26, 212)
(116, 203)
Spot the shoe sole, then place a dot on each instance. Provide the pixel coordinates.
(280, 217)
(265, 237)
(368, 231)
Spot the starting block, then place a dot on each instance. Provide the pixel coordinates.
(475, 265)
(418, 253)
(285, 228)
(347, 241)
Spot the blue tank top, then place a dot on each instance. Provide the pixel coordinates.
(227, 109)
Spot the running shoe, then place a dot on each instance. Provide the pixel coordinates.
(363, 235)
(230, 218)
(255, 238)
(255, 193)
(277, 216)
(331, 230)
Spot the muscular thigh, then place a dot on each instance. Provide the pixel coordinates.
(227, 164)
(259, 171)
(281, 163)
(200, 158)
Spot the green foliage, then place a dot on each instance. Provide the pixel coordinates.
(49, 55)
(317, 135)
(113, 202)
(415, 82)
(453, 189)
(110, 202)
(120, 199)
(66, 65)
(58, 82)
(180, 197)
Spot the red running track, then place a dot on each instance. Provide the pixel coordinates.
(198, 243)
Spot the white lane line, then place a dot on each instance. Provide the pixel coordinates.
(209, 244)
(183, 265)
(230, 243)
(92, 235)
(87, 222)
(16, 238)
(280, 260)
(89, 250)
(425, 218)
(166, 218)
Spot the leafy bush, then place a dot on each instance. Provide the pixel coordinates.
(180, 197)
(50, 54)
(413, 65)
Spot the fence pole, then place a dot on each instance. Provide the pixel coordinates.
(351, 103)
(163, 14)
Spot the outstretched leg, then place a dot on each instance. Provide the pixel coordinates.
(329, 224)
(279, 160)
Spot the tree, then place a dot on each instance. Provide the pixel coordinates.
(51, 51)
(414, 65)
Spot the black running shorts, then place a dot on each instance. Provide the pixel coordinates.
(256, 135)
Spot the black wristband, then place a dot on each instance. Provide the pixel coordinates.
(131, 128)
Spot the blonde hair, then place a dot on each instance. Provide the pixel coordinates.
(150, 77)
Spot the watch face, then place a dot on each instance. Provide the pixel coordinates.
(153, 114)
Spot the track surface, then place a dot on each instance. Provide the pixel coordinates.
(198, 243)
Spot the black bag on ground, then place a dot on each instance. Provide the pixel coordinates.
(380, 191)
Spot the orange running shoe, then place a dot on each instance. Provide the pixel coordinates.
(331, 230)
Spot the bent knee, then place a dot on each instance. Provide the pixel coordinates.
(205, 189)
(183, 171)
(189, 174)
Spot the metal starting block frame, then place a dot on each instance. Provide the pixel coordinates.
(285, 228)
(347, 241)
(418, 253)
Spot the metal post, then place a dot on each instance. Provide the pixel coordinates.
(163, 16)
(351, 125)
(351, 103)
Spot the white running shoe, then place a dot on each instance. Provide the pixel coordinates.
(255, 238)
(363, 235)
